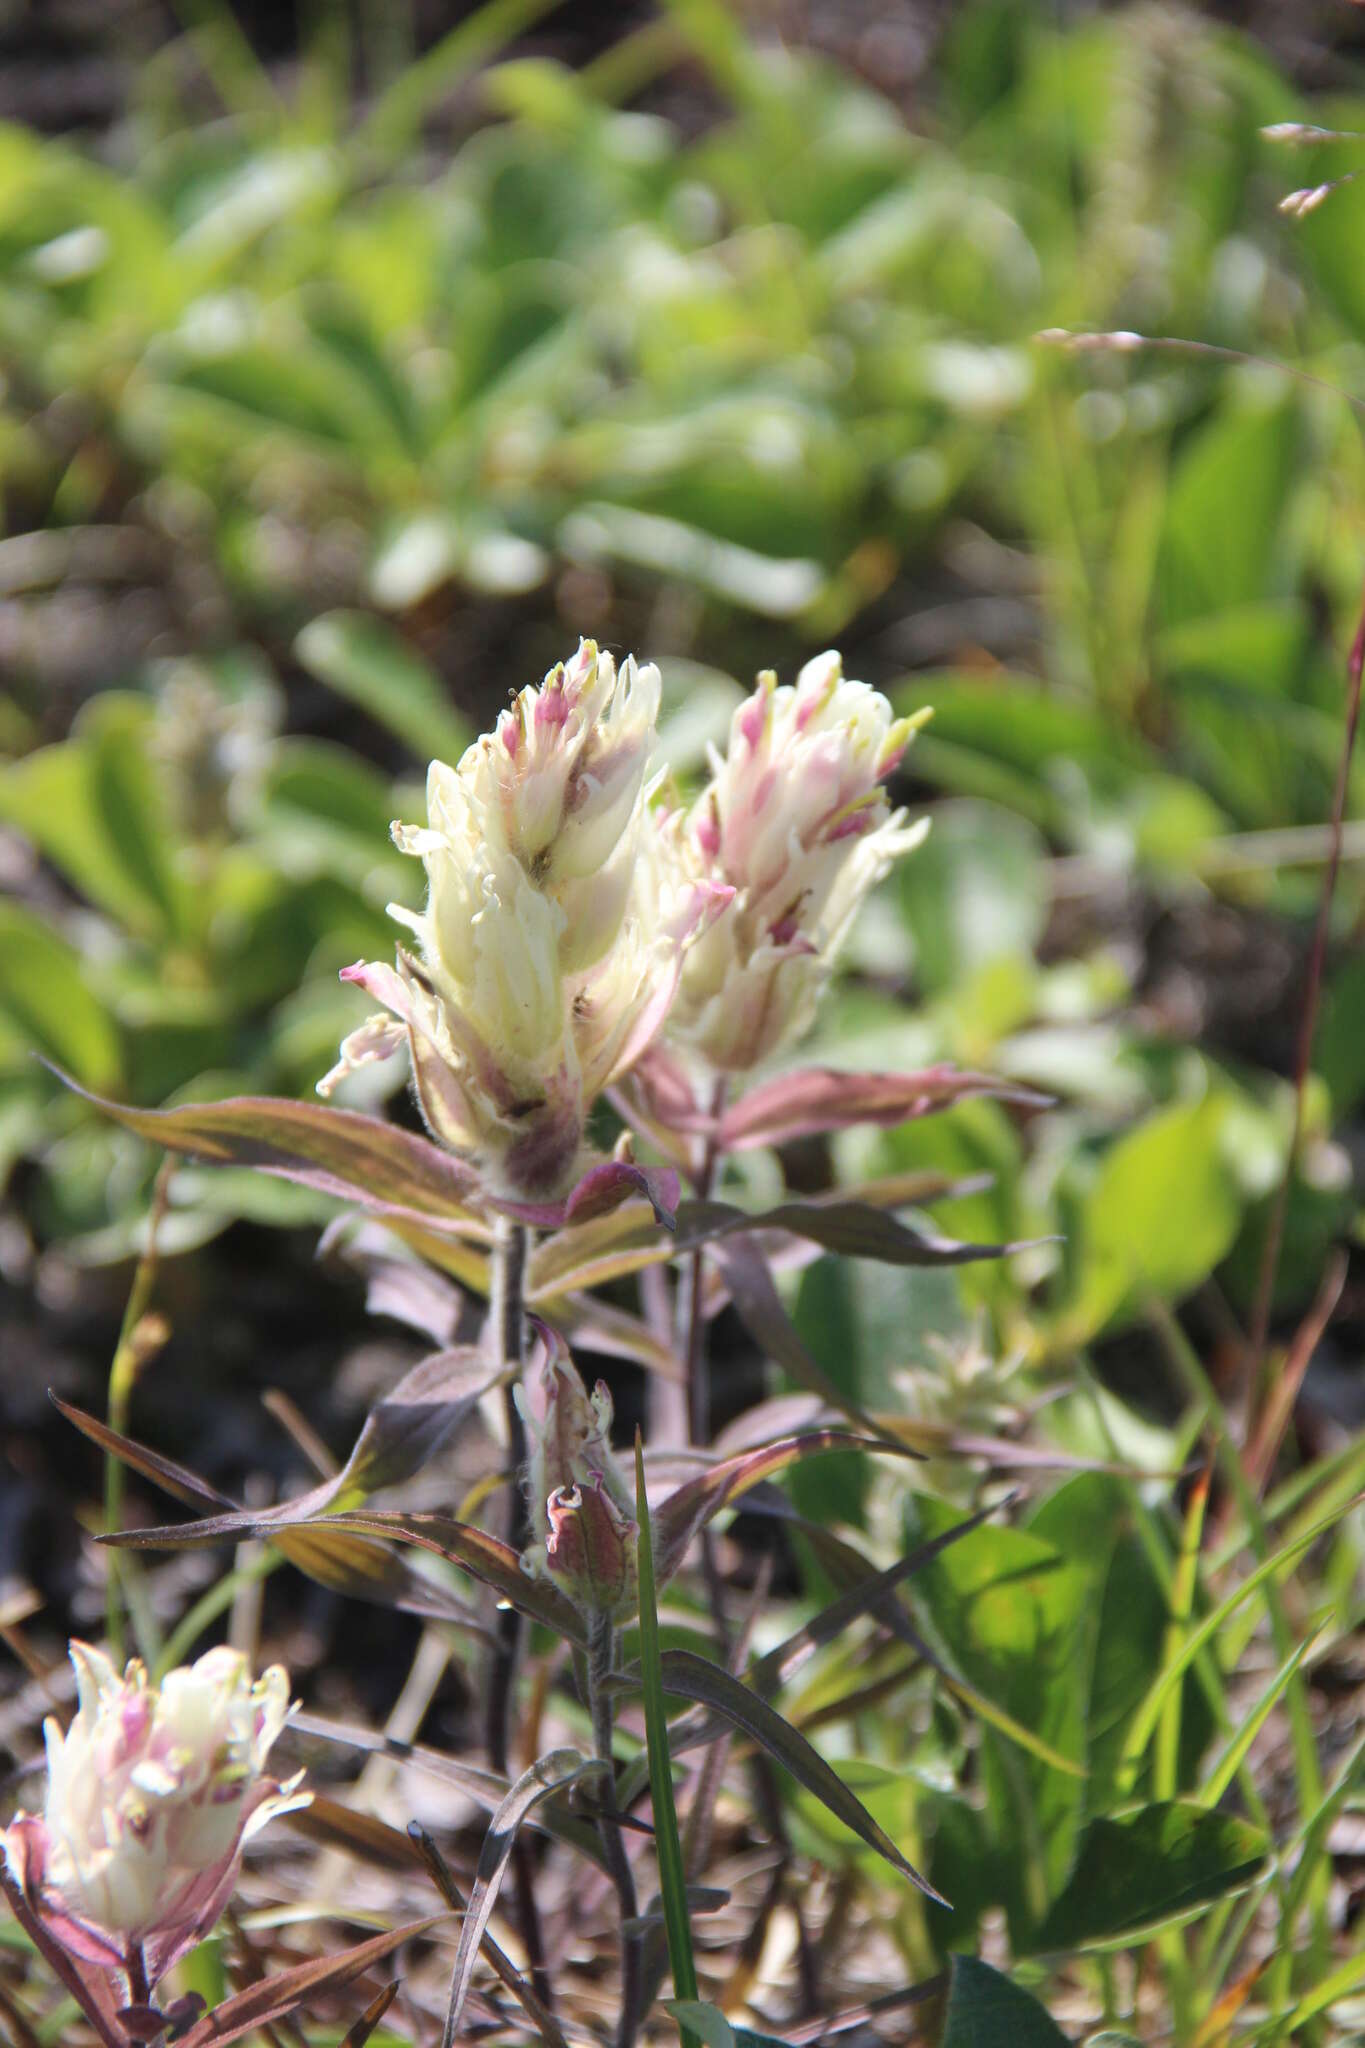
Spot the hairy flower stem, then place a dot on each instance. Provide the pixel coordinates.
(508, 1317)
(135, 1972)
(601, 1657)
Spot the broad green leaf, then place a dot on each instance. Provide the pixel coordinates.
(1017, 1618)
(987, 2010)
(369, 662)
(45, 998)
(1164, 1209)
(1224, 514)
(975, 892)
(127, 793)
(49, 796)
(1138, 1870)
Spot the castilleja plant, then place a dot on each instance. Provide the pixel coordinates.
(573, 915)
(152, 1794)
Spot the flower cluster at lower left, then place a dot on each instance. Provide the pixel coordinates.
(152, 1794)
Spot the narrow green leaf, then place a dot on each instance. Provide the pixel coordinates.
(694, 1679)
(1228, 1765)
(672, 1872)
(1149, 1712)
(369, 663)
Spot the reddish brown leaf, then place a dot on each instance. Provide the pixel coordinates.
(825, 1099)
(274, 1998)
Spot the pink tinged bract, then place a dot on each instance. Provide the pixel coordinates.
(152, 1793)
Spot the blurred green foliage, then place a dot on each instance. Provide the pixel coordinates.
(737, 393)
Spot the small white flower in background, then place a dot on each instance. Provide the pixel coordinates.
(796, 821)
(152, 1794)
(550, 945)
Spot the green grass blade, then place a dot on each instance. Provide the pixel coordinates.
(672, 1874)
(1145, 1719)
(1228, 1765)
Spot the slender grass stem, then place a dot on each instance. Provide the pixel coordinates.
(601, 1657)
(134, 1346)
(1308, 1023)
(1303, 1742)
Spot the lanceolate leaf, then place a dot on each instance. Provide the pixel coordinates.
(680, 1517)
(550, 1773)
(825, 1099)
(177, 1480)
(693, 1678)
(321, 1550)
(855, 1229)
(275, 1997)
(475, 1551)
(335, 1151)
(748, 1278)
(401, 1433)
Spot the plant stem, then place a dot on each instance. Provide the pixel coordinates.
(601, 1657)
(130, 1354)
(135, 1971)
(507, 1314)
(692, 1345)
(691, 1321)
(1303, 1052)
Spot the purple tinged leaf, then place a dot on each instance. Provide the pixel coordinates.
(678, 1519)
(816, 1099)
(550, 1773)
(483, 1556)
(337, 1152)
(177, 1480)
(759, 1307)
(319, 1549)
(359, 2034)
(275, 1998)
(603, 1188)
(857, 1230)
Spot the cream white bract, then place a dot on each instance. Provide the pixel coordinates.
(549, 948)
(795, 820)
(152, 1793)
